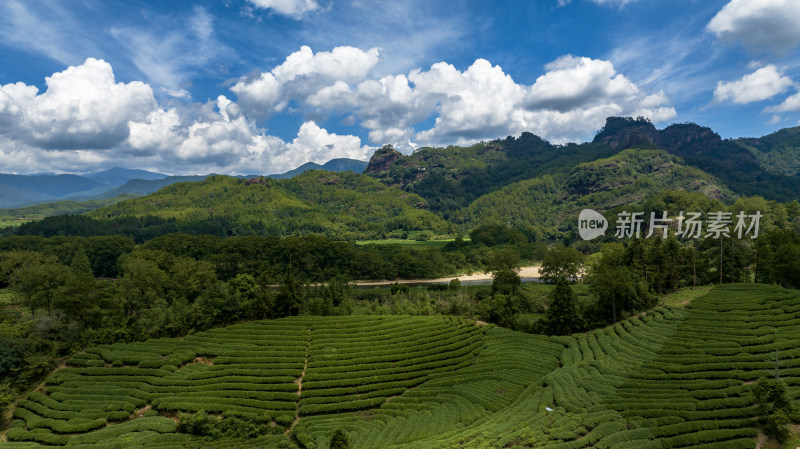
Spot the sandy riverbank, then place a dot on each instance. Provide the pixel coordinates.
(524, 272)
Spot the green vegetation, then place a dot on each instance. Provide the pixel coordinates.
(451, 178)
(221, 314)
(16, 217)
(256, 377)
(562, 316)
(345, 206)
(546, 208)
(674, 377)
(684, 296)
(729, 160)
(777, 152)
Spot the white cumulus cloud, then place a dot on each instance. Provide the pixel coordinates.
(762, 84)
(82, 107)
(569, 102)
(790, 104)
(301, 75)
(772, 24)
(315, 144)
(86, 120)
(573, 82)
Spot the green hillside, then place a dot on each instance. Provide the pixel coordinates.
(547, 205)
(673, 377)
(338, 205)
(450, 178)
(778, 153)
(759, 166)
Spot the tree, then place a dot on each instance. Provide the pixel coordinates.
(503, 266)
(497, 234)
(141, 286)
(562, 314)
(11, 260)
(80, 266)
(82, 299)
(339, 440)
(615, 289)
(189, 278)
(289, 301)
(499, 309)
(774, 407)
(561, 262)
(37, 284)
(216, 306)
(455, 285)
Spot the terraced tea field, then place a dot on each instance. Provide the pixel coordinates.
(673, 378)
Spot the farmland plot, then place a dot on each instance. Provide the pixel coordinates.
(674, 377)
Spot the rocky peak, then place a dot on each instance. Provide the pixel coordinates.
(626, 132)
(382, 160)
(679, 135)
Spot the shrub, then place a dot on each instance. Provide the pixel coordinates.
(339, 440)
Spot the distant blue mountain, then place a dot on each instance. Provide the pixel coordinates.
(118, 176)
(140, 187)
(26, 190)
(23, 190)
(337, 165)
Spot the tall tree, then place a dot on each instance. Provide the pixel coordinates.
(562, 313)
(37, 284)
(561, 262)
(503, 265)
(289, 301)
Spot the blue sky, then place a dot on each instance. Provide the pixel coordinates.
(261, 86)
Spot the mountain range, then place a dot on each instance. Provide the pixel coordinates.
(19, 191)
(523, 182)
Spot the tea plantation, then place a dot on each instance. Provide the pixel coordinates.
(671, 378)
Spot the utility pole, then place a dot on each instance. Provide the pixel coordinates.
(720, 261)
(694, 265)
(733, 261)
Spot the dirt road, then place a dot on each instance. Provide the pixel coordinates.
(524, 272)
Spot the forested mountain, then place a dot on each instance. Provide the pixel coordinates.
(339, 205)
(778, 153)
(547, 206)
(766, 166)
(15, 197)
(59, 208)
(17, 191)
(352, 206)
(523, 182)
(451, 178)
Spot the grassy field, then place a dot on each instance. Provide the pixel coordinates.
(675, 377)
(685, 296)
